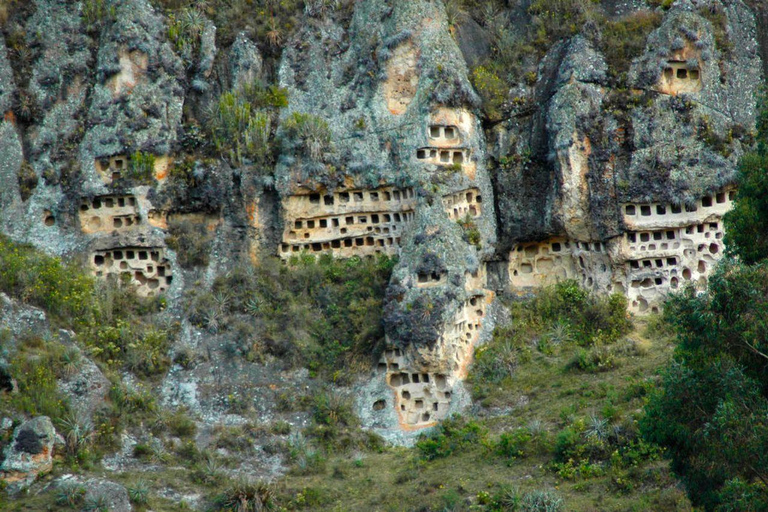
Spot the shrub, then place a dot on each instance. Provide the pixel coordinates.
(746, 235)
(624, 39)
(322, 313)
(38, 393)
(307, 134)
(27, 179)
(711, 411)
(541, 501)
(70, 495)
(141, 168)
(492, 90)
(241, 124)
(138, 493)
(96, 13)
(333, 408)
(181, 425)
(450, 436)
(191, 241)
(246, 496)
(512, 445)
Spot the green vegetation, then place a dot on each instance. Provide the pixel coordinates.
(269, 22)
(184, 30)
(624, 39)
(712, 411)
(114, 324)
(559, 439)
(34, 369)
(308, 135)
(141, 168)
(323, 313)
(96, 13)
(191, 241)
(746, 234)
(245, 496)
(27, 178)
(241, 126)
(514, 59)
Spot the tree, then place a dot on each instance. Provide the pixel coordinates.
(711, 411)
(747, 224)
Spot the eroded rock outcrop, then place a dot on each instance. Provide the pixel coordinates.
(29, 454)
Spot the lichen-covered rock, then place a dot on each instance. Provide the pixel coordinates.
(29, 454)
(244, 62)
(98, 493)
(138, 96)
(7, 86)
(699, 96)
(86, 387)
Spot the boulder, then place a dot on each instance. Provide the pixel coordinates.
(29, 454)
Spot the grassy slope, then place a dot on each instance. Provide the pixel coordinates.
(399, 480)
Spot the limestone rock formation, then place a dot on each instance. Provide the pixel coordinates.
(380, 147)
(29, 454)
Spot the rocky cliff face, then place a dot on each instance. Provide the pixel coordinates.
(383, 148)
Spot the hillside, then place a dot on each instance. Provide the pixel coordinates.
(358, 255)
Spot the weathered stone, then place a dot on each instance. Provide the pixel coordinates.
(29, 454)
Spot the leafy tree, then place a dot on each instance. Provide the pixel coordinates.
(711, 411)
(747, 224)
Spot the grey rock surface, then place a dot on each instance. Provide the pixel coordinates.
(29, 454)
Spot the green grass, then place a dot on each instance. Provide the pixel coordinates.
(542, 407)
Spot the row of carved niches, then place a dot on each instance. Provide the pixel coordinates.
(347, 223)
(443, 156)
(667, 247)
(420, 398)
(115, 167)
(462, 333)
(681, 76)
(109, 213)
(652, 215)
(467, 203)
(144, 268)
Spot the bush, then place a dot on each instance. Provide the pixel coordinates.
(711, 411)
(450, 436)
(492, 90)
(141, 168)
(191, 242)
(181, 425)
(512, 445)
(308, 135)
(246, 496)
(27, 179)
(542, 501)
(322, 313)
(746, 225)
(624, 39)
(241, 124)
(332, 408)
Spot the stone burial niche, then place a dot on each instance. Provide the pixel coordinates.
(111, 168)
(109, 213)
(114, 167)
(423, 379)
(144, 268)
(669, 245)
(422, 398)
(346, 223)
(467, 203)
(448, 135)
(681, 76)
(664, 247)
